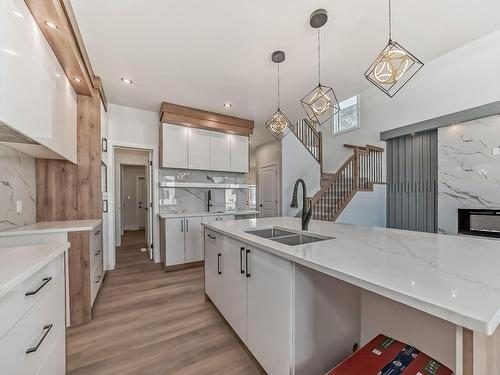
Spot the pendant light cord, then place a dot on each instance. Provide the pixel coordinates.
(390, 22)
(319, 60)
(278, 85)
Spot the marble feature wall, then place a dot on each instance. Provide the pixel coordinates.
(469, 169)
(196, 199)
(17, 183)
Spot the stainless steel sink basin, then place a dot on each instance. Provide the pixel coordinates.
(270, 232)
(288, 237)
(298, 239)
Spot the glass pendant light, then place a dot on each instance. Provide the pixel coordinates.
(320, 104)
(278, 124)
(393, 67)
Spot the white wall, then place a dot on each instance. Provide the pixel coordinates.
(366, 208)
(297, 162)
(133, 128)
(461, 79)
(266, 155)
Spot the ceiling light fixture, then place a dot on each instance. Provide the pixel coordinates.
(10, 52)
(76, 79)
(320, 104)
(393, 67)
(278, 124)
(58, 75)
(18, 14)
(227, 105)
(126, 80)
(51, 25)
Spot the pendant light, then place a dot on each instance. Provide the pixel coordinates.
(320, 104)
(393, 67)
(278, 124)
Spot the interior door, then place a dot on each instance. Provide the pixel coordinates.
(142, 204)
(268, 191)
(192, 239)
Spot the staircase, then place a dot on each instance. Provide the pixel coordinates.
(359, 172)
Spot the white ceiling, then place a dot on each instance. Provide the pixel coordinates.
(202, 53)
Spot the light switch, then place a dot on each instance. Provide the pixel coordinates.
(496, 151)
(19, 207)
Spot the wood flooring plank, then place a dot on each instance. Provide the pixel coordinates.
(147, 321)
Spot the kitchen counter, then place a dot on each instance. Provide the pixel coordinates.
(18, 263)
(174, 215)
(450, 277)
(53, 227)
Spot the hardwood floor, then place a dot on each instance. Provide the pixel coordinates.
(150, 322)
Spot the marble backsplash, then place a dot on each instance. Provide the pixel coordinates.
(17, 183)
(196, 199)
(469, 169)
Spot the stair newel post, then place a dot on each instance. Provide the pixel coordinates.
(356, 169)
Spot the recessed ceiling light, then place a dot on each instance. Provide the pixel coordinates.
(18, 14)
(51, 25)
(58, 75)
(126, 80)
(227, 105)
(76, 79)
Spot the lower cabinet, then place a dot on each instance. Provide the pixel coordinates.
(181, 241)
(252, 289)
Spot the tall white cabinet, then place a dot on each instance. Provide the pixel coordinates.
(192, 148)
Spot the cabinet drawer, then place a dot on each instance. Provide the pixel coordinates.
(55, 362)
(15, 304)
(24, 348)
(96, 247)
(96, 276)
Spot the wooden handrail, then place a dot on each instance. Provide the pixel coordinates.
(306, 133)
(358, 173)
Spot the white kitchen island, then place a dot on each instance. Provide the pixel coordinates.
(300, 309)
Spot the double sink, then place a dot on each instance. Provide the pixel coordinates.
(287, 236)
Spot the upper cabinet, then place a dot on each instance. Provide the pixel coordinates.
(174, 140)
(239, 153)
(198, 148)
(220, 156)
(36, 99)
(193, 148)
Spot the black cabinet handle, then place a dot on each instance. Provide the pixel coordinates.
(182, 225)
(218, 264)
(96, 233)
(211, 236)
(46, 330)
(44, 282)
(187, 225)
(246, 259)
(242, 249)
(98, 279)
(97, 252)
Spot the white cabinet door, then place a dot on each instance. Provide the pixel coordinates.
(269, 311)
(239, 153)
(192, 239)
(198, 148)
(235, 286)
(174, 146)
(214, 268)
(174, 241)
(220, 151)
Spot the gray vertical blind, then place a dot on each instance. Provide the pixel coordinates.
(412, 169)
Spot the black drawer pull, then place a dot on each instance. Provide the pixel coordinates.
(46, 329)
(248, 273)
(96, 233)
(211, 236)
(219, 272)
(242, 249)
(97, 252)
(98, 279)
(44, 282)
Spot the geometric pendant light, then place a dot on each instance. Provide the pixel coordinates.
(321, 103)
(278, 124)
(393, 67)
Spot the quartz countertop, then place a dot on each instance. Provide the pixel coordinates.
(53, 227)
(454, 278)
(19, 263)
(173, 215)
